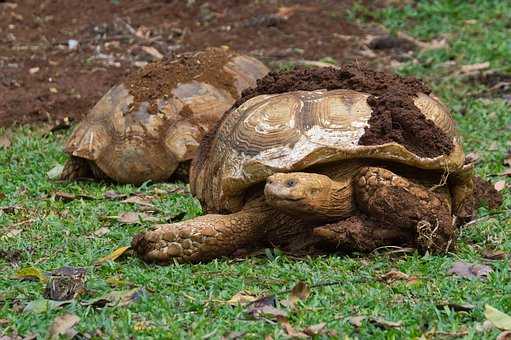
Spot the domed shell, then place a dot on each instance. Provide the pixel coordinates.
(132, 143)
(295, 130)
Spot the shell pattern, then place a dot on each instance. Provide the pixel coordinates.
(296, 130)
(132, 146)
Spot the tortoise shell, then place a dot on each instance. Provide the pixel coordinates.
(295, 130)
(132, 142)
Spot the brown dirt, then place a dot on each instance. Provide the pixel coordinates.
(42, 79)
(485, 194)
(161, 77)
(394, 118)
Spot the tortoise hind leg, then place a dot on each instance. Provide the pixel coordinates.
(76, 168)
(397, 201)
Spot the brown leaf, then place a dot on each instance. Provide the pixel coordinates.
(495, 254)
(144, 201)
(11, 233)
(112, 195)
(5, 141)
(116, 298)
(314, 330)
(68, 197)
(379, 322)
(473, 157)
(284, 323)
(65, 283)
(506, 335)
(265, 308)
(456, 307)
(470, 270)
(299, 292)
(135, 217)
(113, 255)
(63, 325)
(506, 172)
(241, 298)
(475, 67)
(101, 231)
(396, 275)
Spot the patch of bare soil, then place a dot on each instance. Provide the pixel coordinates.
(58, 57)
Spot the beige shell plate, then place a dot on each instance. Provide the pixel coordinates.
(293, 131)
(136, 146)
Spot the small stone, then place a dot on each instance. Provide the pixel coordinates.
(72, 44)
(33, 70)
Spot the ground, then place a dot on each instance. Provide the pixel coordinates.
(41, 228)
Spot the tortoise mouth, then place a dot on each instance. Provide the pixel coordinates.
(276, 193)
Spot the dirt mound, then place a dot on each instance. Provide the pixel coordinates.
(161, 77)
(395, 118)
(485, 194)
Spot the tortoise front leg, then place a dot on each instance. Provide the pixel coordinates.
(202, 238)
(397, 201)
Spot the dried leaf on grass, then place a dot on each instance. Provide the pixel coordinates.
(31, 273)
(101, 232)
(284, 323)
(113, 255)
(299, 292)
(241, 298)
(5, 141)
(396, 275)
(135, 217)
(500, 185)
(112, 195)
(379, 322)
(456, 307)
(143, 201)
(68, 197)
(314, 330)
(499, 319)
(116, 298)
(11, 233)
(63, 325)
(470, 270)
(472, 68)
(265, 307)
(495, 254)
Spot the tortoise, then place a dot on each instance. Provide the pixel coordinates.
(145, 127)
(287, 166)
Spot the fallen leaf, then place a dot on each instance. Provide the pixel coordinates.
(135, 217)
(112, 195)
(11, 233)
(152, 52)
(470, 270)
(241, 298)
(379, 322)
(456, 307)
(265, 308)
(68, 197)
(314, 330)
(284, 323)
(506, 172)
(40, 306)
(63, 325)
(5, 141)
(65, 283)
(144, 201)
(31, 273)
(495, 254)
(506, 335)
(499, 319)
(473, 157)
(101, 231)
(475, 67)
(500, 185)
(116, 298)
(299, 292)
(396, 275)
(55, 172)
(113, 256)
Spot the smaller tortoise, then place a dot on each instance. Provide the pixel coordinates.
(283, 166)
(144, 128)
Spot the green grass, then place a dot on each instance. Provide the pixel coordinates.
(185, 300)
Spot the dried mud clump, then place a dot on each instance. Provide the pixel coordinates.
(395, 118)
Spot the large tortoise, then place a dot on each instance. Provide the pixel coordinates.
(143, 128)
(284, 166)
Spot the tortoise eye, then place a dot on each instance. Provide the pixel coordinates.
(291, 183)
